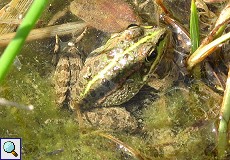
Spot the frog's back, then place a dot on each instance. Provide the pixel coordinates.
(98, 86)
(117, 73)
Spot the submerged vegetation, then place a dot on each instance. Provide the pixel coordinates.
(178, 124)
(179, 121)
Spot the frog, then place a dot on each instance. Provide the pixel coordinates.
(111, 74)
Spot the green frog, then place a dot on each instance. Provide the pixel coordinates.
(113, 73)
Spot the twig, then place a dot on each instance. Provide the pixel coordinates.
(46, 32)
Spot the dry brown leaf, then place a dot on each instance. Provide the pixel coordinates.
(108, 16)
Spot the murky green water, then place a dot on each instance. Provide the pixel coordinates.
(177, 122)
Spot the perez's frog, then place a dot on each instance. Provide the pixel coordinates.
(113, 73)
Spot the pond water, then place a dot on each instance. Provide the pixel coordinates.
(175, 121)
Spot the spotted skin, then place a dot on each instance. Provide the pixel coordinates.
(115, 72)
(66, 73)
(110, 75)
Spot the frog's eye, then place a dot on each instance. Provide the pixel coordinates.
(132, 26)
(152, 56)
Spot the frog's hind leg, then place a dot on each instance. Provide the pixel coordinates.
(67, 69)
(76, 64)
(61, 78)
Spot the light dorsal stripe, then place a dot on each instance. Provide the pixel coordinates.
(100, 74)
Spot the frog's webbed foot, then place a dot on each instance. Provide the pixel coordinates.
(56, 51)
(59, 49)
(79, 37)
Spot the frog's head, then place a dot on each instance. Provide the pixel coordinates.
(149, 47)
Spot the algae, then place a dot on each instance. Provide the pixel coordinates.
(179, 124)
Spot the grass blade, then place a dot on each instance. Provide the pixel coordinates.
(224, 121)
(16, 44)
(194, 27)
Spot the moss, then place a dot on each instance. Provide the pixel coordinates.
(179, 125)
(47, 132)
(171, 124)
